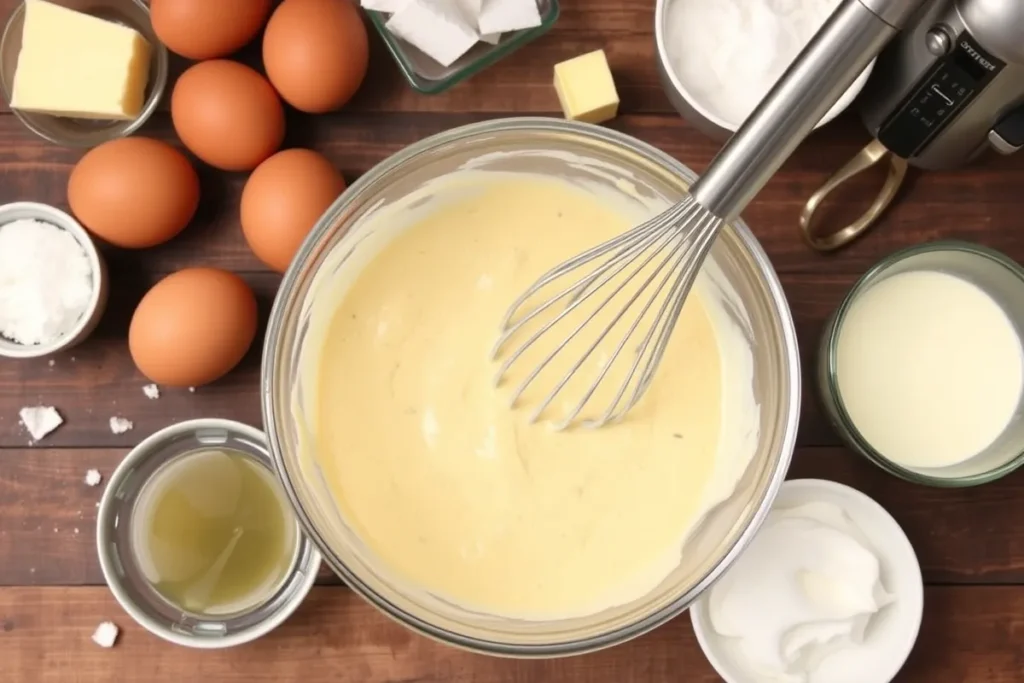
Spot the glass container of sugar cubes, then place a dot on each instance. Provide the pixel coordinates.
(438, 43)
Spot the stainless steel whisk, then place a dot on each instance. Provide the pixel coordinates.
(654, 266)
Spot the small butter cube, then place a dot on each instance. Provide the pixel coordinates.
(586, 89)
(504, 16)
(73, 64)
(437, 29)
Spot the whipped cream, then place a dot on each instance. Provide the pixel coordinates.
(808, 585)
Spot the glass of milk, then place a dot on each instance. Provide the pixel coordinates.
(921, 369)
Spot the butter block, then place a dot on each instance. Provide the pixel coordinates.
(72, 64)
(586, 89)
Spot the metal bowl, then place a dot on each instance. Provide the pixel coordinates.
(119, 560)
(72, 132)
(565, 150)
(695, 111)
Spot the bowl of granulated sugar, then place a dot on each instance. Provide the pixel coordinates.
(717, 59)
(53, 281)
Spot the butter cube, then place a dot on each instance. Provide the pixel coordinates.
(76, 65)
(586, 89)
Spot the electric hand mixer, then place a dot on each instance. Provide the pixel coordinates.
(651, 269)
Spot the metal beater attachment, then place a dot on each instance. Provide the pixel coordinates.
(642, 278)
(650, 270)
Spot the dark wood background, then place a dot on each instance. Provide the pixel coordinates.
(52, 596)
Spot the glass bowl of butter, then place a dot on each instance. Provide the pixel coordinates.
(81, 72)
(439, 503)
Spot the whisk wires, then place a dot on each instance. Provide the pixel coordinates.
(635, 286)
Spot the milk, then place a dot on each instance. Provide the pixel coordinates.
(929, 368)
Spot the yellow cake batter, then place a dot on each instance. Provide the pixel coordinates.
(458, 493)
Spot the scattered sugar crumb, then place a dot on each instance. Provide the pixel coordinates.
(192, 390)
(31, 570)
(151, 391)
(76, 529)
(55, 529)
(120, 425)
(40, 420)
(93, 477)
(52, 362)
(106, 634)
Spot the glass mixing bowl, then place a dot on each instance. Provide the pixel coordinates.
(629, 168)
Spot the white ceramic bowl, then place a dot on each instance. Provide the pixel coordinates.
(696, 112)
(97, 303)
(893, 631)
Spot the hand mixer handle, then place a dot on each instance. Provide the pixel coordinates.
(853, 36)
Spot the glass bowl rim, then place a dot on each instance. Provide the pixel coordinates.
(863, 283)
(118, 129)
(493, 55)
(286, 300)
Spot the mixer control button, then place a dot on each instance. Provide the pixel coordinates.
(937, 41)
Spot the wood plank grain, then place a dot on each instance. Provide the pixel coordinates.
(97, 380)
(979, 204)
(969, 635)
(48, 525)
(962, 536)
(521, 82)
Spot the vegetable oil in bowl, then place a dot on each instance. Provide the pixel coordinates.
(211, 533)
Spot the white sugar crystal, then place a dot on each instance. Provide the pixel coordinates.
(151, 391)
(437, 29)
(106, 634)
(119, 425)
(40, 420)
(503, 16)
(47, 282)
(93, 477)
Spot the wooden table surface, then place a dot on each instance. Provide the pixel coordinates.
(52, 595)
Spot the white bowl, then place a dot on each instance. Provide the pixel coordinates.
(97, 302)
(893, 631)
(696, 112)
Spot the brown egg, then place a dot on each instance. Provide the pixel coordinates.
(134, 192)
(316, 52)
(206, 29)
(193, 327)
(282, 200)
(227, 114)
